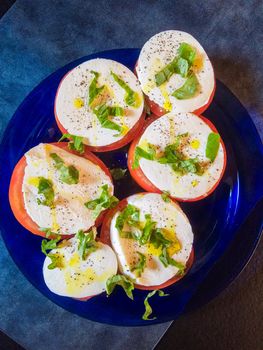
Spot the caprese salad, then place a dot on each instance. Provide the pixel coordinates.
(100, 101)
(181, 154)
(55, 191)
(175, 73)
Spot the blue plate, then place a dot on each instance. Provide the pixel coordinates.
(227, 224)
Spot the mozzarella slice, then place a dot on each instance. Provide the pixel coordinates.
(79, 278)
(159, 51)
(69, 213)
(162, 132)
(75, 114)
(168, 216)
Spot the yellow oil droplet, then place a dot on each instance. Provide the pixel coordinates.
(167, 103)
(152, 250)
(74, 260)
(194, 183)
(34, 181)
(198, 62)
(80, 278)
(175, 246)
(195, 144)
(172, 130)
(78, 103)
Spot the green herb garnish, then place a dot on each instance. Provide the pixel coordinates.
(45, 187)
(212, 146)
(48, 232)
(149, 154)
(148, 308)
(187, 52)
(105, 201)
(188, 89)
(94, 91)
(140, 266)
(87, 243)
(147, 230)
(76, 143)
(130, 96)
(125, 282)
(55, 258)
(103, 113)
(166, 196)
(158, 239)
(118, 173)
(68, 174)
(130, 215)
(167, 260)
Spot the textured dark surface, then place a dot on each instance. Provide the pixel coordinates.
(36, 38)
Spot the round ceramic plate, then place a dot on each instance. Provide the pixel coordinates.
(222, 243)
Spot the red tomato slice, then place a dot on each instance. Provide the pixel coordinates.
(159, 111)
(16, 196)
(115, 145)
(145, 183)
(105, 238)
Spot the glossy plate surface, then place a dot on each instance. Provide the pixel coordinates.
(223, 243)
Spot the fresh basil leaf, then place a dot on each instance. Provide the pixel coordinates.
(164, 75)
(130, 96)
(158, 239)
(187, 52)
(147, 230)
(87, 243)
(150, 154)
(140, 266)
(68, 174)
(182, 67)
(55, 258)
(188, 89)
(166, 196)
(45, 187)
(167, 260)
(94, 91)
(148, 308)
(118, 173)
(76, 143)
(105, 201)
(125, 282)
(48, 232)
(103, 112)
(130, 215)
(212, 146)
(55, 261)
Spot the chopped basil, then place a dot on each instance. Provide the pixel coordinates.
(188, 89)
(187, 52)
(103, 113)
(45, 187)
(125, 282)
(76, 143)
(158, 239)
(147, 230)
(130, 215)
(148, 308)
(165, 74)
(167, 260)
(212, 146)
(55, 258)
(68, 174)
(166, 196)
(140, 266)
(150, 154)
(94, 91)
(130, 96)
(48, 232)
(105, 201)
(87, 243)
(118, 173)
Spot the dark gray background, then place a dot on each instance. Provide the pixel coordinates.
(39, 36)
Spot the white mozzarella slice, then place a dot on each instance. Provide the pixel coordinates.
(69, 213)
(79, 278)
(168, 216)
(159, 51)
(80, 120)
(162, 132)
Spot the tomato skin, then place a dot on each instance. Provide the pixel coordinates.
(145, 183)
(105, 238)
(113, 146)
(16, 199)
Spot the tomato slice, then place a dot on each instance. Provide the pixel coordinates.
(16, 196)
(105, 238)
(145, 183)
(115, 145)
